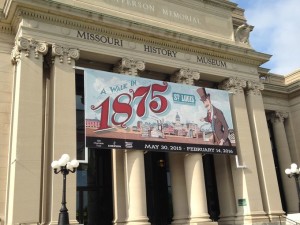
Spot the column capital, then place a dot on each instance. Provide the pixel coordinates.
(233, 84)
(129, 66)
(254, 88)
(26, 45)
(278, 117)
(60, 51)
(186, 76)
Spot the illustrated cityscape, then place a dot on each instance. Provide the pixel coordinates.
(161, 128)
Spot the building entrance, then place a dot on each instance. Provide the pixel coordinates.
(94, 189)
(158, 188)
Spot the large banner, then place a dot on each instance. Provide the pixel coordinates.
(128, 112)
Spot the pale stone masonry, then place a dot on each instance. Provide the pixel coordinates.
(45, 48)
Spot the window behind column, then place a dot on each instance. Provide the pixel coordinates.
(94, 178)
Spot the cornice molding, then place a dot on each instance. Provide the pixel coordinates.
(292, 77)
(238, 17)
(283, 84)
(224, 4)
(183, 42)
(6, 28)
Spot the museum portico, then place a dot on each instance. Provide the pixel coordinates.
(46, 49)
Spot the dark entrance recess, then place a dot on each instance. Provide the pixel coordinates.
(94, 179)
(277, 168)
(211, 187)
(94, 189)
(158, 188)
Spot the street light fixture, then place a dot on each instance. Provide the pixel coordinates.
(294, 172)
(64, 166)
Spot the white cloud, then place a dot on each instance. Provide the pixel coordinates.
(276, 31)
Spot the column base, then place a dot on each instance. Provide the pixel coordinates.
(119, 222)
(275, 216)
(138, 221)
(258, 219)
(253, 220)
(229, 220)
(203, 223)
(75, 222)
(260, 223)
(203, 220)
(180, 221)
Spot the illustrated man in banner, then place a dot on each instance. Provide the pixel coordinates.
(216, 118)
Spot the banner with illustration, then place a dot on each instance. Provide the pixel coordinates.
(129, 112)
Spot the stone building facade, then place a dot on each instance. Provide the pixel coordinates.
(43, 47)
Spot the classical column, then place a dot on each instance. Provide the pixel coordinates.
(62, 126)
(179, 196)
(225, 186)
(118, 172)
(193, 171)
(284, 158)
(183, 179)
(128, 67)
(134, 169)
(263, 150)
(196, 193)
(26, 146)
(248, 198)
(119, 198)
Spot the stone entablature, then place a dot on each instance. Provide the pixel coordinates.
(230, 60)
(292, 77)
(95, 24)
(209, 19)
(283, 84)
(5, 29)
(98, 38)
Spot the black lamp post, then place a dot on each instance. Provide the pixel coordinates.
(64, 166)
(294, 172)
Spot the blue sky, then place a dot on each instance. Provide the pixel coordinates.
(276, 31)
